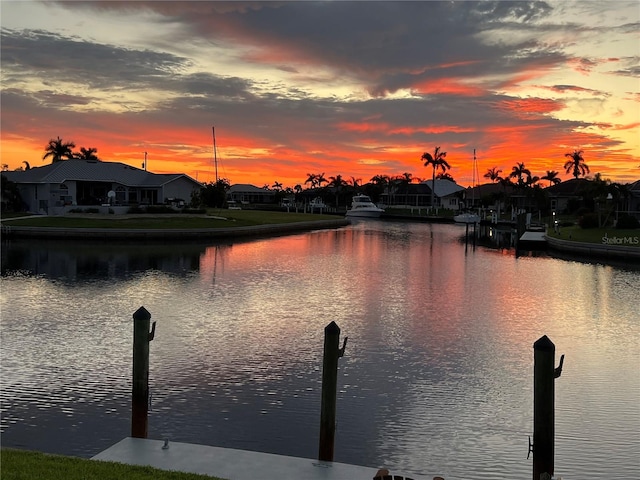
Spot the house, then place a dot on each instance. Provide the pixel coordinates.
(446, 193)
(244, 193)
(419, 194)
(565, 194)
(56, 188)
(634, 199)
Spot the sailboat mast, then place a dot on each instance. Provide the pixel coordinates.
(473, 179)
(215, 155)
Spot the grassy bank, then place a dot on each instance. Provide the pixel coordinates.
(595, 235)
(214, 219)
(26, 465)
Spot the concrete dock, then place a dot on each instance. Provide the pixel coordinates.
(232, 464)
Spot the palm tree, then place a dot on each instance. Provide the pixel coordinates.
(383, 182)
(552, 176)
(519, 171)
(87, 154)
(493, 174)
(277, 186)
(58, 150)
(311, 179)
(437, 161)
(338, 183)
(445, 176)
(26, 165)
(316, 179)
(355, 182)
(576, 165)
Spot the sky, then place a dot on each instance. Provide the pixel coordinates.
(350, 88)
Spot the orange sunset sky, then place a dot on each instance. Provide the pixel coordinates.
(356, 89)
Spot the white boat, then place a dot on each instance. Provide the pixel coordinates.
(363, 206)
(467, 218)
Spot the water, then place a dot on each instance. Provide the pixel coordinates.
(437, 378)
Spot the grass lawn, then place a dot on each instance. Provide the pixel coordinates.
(26, 465)
(594, 235)
(232, 218)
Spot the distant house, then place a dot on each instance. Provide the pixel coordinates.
(61, 186)
(561, 194)
(446, 194)
(634, 199)
(244, 193)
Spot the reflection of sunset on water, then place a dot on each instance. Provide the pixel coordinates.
(439, 357)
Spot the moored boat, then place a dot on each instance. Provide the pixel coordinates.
(467, 217)
(363, 206)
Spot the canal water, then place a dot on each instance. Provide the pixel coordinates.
(437, 377)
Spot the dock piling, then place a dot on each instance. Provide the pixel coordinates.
(544, 375)
(329, 390)
(140, 394)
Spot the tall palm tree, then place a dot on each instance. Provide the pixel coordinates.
(493, 174)
(552, 176)
(58, 150)
(87, 154)
(277, 186)
(519, 171)
(576, 165)
(437, 161)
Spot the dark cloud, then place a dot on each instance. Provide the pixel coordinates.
(40, 54)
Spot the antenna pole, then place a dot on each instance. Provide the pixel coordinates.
(145, 161)
(215, 155)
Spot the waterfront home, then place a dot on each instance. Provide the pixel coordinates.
(245, 193)
(59, 187)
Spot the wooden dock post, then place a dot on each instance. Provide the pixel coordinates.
(329, 390)
(140, 394)
(544, 375)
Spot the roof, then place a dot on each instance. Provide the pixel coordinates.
(93, 171)
(570, 187)
(247, 188)
(443, 188)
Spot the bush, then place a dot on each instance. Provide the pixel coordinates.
(588, 220)
(627, 221)
(160, 209)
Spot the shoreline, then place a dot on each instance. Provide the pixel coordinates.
(169, 233)
(594, 250)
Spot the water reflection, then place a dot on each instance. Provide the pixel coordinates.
(437, 376)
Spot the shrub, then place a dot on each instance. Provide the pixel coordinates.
(588, 220)
(160, 209)
(627, 221)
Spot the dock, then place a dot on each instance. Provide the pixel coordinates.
(231, 464)
(533, 240)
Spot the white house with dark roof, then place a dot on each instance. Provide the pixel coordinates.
(61, 186)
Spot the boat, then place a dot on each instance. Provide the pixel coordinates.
(467, 217)
(363, 206)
